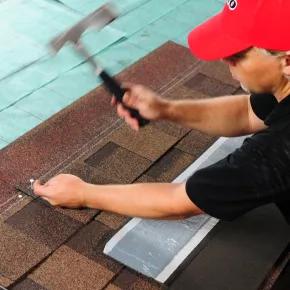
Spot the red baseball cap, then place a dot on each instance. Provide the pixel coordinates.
(242, 24)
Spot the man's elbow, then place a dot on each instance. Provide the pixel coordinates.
(181, 205)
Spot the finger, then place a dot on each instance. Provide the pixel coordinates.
(130, 100)
(113, 101)
(123, 113)
(126, 98)
(119, 111)
(40, 189)
(133, 123)
(136, 125)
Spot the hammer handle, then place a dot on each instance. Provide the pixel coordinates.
(118, 92)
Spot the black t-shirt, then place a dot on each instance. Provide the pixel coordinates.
(256, 174)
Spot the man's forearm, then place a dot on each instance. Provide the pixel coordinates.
(148, 200)
(223, 116)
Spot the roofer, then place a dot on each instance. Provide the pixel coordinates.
(252, 38)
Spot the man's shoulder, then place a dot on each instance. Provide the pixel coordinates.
(272, 143)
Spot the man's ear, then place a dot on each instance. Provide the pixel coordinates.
(287, 65)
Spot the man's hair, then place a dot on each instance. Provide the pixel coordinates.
(275, 53)
(242, 54)
(238, 56)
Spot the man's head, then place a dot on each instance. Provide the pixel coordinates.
(259, 70)
(251, 36)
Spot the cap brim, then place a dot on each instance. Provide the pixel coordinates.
(209, 41)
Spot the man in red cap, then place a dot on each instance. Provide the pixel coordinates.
(252, 38)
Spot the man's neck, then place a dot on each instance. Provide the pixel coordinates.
(283, 90)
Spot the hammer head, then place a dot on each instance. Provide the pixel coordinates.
(96, 20)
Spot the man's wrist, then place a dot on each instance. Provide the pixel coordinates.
(165, 109)
(87, 194)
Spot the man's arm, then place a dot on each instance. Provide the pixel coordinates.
(223, 116)
(147, 200)
(154, 200)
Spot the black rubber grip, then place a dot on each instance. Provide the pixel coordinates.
(119, 93)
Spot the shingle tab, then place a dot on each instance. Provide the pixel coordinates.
(90, 242)
(44, 224)
(18, 252)
(27, 284)
(149, 143)
(66, 269)
(170, 166)
(210, 86)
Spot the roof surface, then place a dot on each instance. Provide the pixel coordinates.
(58, 248)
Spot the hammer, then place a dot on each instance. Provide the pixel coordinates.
(96, 20)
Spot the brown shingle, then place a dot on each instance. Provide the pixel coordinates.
(112, 220)
(170, 165)
(18, 204)
(149, 143)
(18, 252)
(101, 155)
(122, 165)
(112, 287)
(184, 92)
(8, 196)
(145, 179)
(87, 173)
(9, 203)
(210, 86)
(90, 242)
(219, 71)
(240, 91)
(5, 282)
(44, 224)
(171, 128)
(129, 279)
(27, 284)
(53, 141)
(66, 269)
(82, 215)
(152, 70)
(195, 143)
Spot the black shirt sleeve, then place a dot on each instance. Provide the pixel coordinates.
(263, 104)
(237, 184)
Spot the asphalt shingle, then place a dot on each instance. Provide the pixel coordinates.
(149, 143)
(5, 282)
(90, 242)
(66, 269)
(27, 284)
(195, 143)
(44, 224)
(18, 252)
(171, 165)
(129, 279)
(118, 164)
(112, 220)
(210, 86)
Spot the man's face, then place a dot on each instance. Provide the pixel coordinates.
(257, 71)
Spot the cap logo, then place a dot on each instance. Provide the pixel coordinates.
(232, 4)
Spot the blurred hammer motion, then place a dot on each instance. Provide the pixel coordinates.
(96, 20)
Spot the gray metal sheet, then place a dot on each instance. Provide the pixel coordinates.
(154, 248)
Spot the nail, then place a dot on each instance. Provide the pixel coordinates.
(31, 183)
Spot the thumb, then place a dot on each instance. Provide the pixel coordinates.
(40, 189)
(131, 97)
